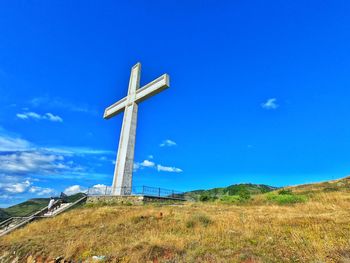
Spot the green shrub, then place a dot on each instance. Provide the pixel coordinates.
(205, 197)
(286, 199)
(244, 195)
(285, 192)
(230, 199)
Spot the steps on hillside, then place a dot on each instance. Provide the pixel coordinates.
(13, 223)
(58, 210)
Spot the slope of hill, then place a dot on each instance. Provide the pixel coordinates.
(28, 207)
(342, 184)
(315, 228)
(3, 215)
(232, 190)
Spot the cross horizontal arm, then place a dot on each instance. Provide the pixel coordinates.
(115, 108)
(152, 88)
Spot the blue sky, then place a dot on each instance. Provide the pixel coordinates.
(259, 93)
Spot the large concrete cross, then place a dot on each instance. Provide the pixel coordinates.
(122, 180)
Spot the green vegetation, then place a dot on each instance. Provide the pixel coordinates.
(3, 215)
(232, 194)
(230, 199)
(285, 198)
(27, 208)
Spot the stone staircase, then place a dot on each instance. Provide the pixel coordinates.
(13, 223)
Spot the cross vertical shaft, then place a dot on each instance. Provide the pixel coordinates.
(122, 180)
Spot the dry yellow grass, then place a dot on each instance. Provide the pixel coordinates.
(315, 231)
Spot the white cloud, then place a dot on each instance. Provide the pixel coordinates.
(270, 104)
(136, 166)
(41, 190)
(162, 168)
(16, 188)
(99, 189)
(20, 157)
(13, 144)
(96, 189)
(150, 156)
(32, 161)
(147, 163)
(74, 189)
(28, 115)
(36, 116)
(55, 118)
(22, 163)
(167, 143)
(77, 151)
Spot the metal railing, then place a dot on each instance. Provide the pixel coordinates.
(136, 190)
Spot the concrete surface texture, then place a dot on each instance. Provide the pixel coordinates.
(125, 157)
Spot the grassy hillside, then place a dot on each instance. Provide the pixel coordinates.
(237, 191)
(3, 215)
(236, 188)
(323, 187)
(314, 228)
(28, 207)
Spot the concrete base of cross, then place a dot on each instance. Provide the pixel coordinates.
(129, 199)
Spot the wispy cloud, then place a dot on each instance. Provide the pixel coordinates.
(13, 144)
(270, 104)
(169, 169)
(41, 191)
(9, 143)
(23, 164)
(49, 116)
(96, 189)
(144, 163)
(74, 189)
(160, 168)
(78, 151)
(36, 116)
(32, 162)
(167, 143)
(11, 186)
(147, 163)
(19, 156)
(60, 103)
(15, 188)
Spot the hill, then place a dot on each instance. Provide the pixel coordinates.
(305, 223)
(232, 190)
(342, 184)
(27, 208)
(3, 215)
